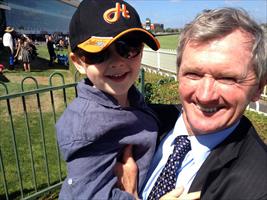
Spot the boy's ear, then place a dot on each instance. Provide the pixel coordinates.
(78, 63)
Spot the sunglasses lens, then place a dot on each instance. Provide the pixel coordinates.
(128, 49)
(96, 58)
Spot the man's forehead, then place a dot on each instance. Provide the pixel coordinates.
(241, 36)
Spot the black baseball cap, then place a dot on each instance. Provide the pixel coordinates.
(98, 23)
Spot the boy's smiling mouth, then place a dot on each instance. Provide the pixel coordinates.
(118, 77)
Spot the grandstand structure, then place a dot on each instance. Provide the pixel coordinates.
(37, 16)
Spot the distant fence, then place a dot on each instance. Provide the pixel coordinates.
(162, 61)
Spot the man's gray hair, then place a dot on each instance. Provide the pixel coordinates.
(212, 24)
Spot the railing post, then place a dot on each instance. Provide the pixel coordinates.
(142, 80)
(3, 175)
(158, 60)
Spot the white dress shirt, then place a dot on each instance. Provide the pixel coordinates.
(8, 41)
(201, 146)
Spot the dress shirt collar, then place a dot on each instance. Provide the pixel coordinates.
(203, 143)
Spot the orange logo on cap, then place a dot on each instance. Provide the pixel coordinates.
(113, 14)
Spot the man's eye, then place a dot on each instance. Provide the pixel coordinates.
(227, 80)
(193, 76)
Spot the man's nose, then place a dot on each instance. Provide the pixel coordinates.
(207, 90)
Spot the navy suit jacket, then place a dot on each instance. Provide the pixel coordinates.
(236, 169)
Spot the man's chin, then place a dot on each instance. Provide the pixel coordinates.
(205, 129)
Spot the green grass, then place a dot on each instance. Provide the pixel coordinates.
(259, 122)
(39, 131)
(43, 53)
(22, 132)
(23, 151)
(168, 41)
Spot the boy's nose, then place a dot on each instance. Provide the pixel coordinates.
(115, 59)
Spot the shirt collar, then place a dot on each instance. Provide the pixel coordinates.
(201, 145)
(87, 91)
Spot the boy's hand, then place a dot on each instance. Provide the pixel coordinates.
(127, 171)
(177, 194)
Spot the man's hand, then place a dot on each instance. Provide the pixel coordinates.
(127, 171)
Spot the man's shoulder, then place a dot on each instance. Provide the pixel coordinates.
(166, 109)
(166, 112)
(252, 136)
(167, 115)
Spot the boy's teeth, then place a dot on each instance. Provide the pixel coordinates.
(117, 75)
(208, 110)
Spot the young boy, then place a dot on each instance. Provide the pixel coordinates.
(107, 40)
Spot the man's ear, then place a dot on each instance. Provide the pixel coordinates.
(259, 90)
(77, 63)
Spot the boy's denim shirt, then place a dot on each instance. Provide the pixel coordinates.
(92, 134)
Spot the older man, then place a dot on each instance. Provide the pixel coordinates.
(221, 69)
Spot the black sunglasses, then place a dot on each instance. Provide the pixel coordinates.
(126, 48)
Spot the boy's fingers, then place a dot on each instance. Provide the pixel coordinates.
(127, 154)
(177, 191)
(174, 194)
(190, 196)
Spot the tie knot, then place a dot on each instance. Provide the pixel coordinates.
(182, 143)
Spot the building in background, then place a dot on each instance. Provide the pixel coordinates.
(36, 16)
(153, 27)
(156, 27)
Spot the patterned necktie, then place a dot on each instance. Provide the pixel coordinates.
(167, 178)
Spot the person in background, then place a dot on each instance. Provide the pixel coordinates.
(109, 112)
(24, 52)
(18, 55)
(3, 78)
(221, 68)
(61, 45)
(9, 46)
(51, 50)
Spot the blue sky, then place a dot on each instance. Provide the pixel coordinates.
(176, 13)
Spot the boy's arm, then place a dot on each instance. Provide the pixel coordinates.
(127, 172)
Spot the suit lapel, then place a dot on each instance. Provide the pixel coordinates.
(220, 156)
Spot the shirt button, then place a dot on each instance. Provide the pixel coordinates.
(69, 181)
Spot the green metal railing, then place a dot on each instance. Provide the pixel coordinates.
(30, 161)
(15, 156)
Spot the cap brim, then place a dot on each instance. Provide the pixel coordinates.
(98, 44)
